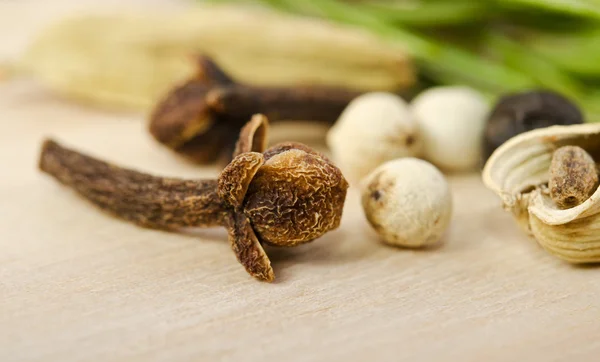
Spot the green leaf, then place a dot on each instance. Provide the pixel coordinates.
(577, 51)
(428, 13)
(583, 8)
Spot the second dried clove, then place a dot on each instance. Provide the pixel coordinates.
(202, 117)
(284, 196)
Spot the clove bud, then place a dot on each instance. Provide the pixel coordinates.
(284, 196)
(202, 117)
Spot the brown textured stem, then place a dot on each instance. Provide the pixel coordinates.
(146, 200)
(317, 104)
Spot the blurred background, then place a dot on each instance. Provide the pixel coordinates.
(125, 56)
(91, 73)
(141, 57)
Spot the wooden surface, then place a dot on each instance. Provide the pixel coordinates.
(79, 285)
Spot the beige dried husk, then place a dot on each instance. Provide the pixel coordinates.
(518, 172)
(127, 60)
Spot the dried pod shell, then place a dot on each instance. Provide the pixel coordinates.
(573, 176)
(519, 172)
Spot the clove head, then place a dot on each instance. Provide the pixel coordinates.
(189, 119)
(290, 194)
(295, 197)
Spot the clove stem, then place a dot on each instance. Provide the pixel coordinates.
(317, 104)
(146, 200)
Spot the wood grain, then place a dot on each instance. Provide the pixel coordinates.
(79, 285)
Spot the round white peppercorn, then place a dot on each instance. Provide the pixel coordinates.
(451, 121)
(374, 128)
(408, 202)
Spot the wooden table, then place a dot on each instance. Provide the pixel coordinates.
(79, 285)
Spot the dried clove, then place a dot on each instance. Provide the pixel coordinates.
(521, 112)
(284, 196)
(573, 176)
(202, 117)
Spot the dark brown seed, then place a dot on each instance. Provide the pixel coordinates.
(573, 176)
(284, 196)
(521, 112)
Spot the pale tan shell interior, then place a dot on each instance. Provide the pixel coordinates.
(577, 241)
(521, 166)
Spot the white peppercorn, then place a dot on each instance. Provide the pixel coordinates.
(451, 121)
(374, 128)
(408, 202)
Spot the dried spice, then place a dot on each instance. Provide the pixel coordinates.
(573, 176)
(518, 173)
(451, 120)
(408, 202)
(385, 127)
(522, 112)
(286, 196)
(202, 118)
